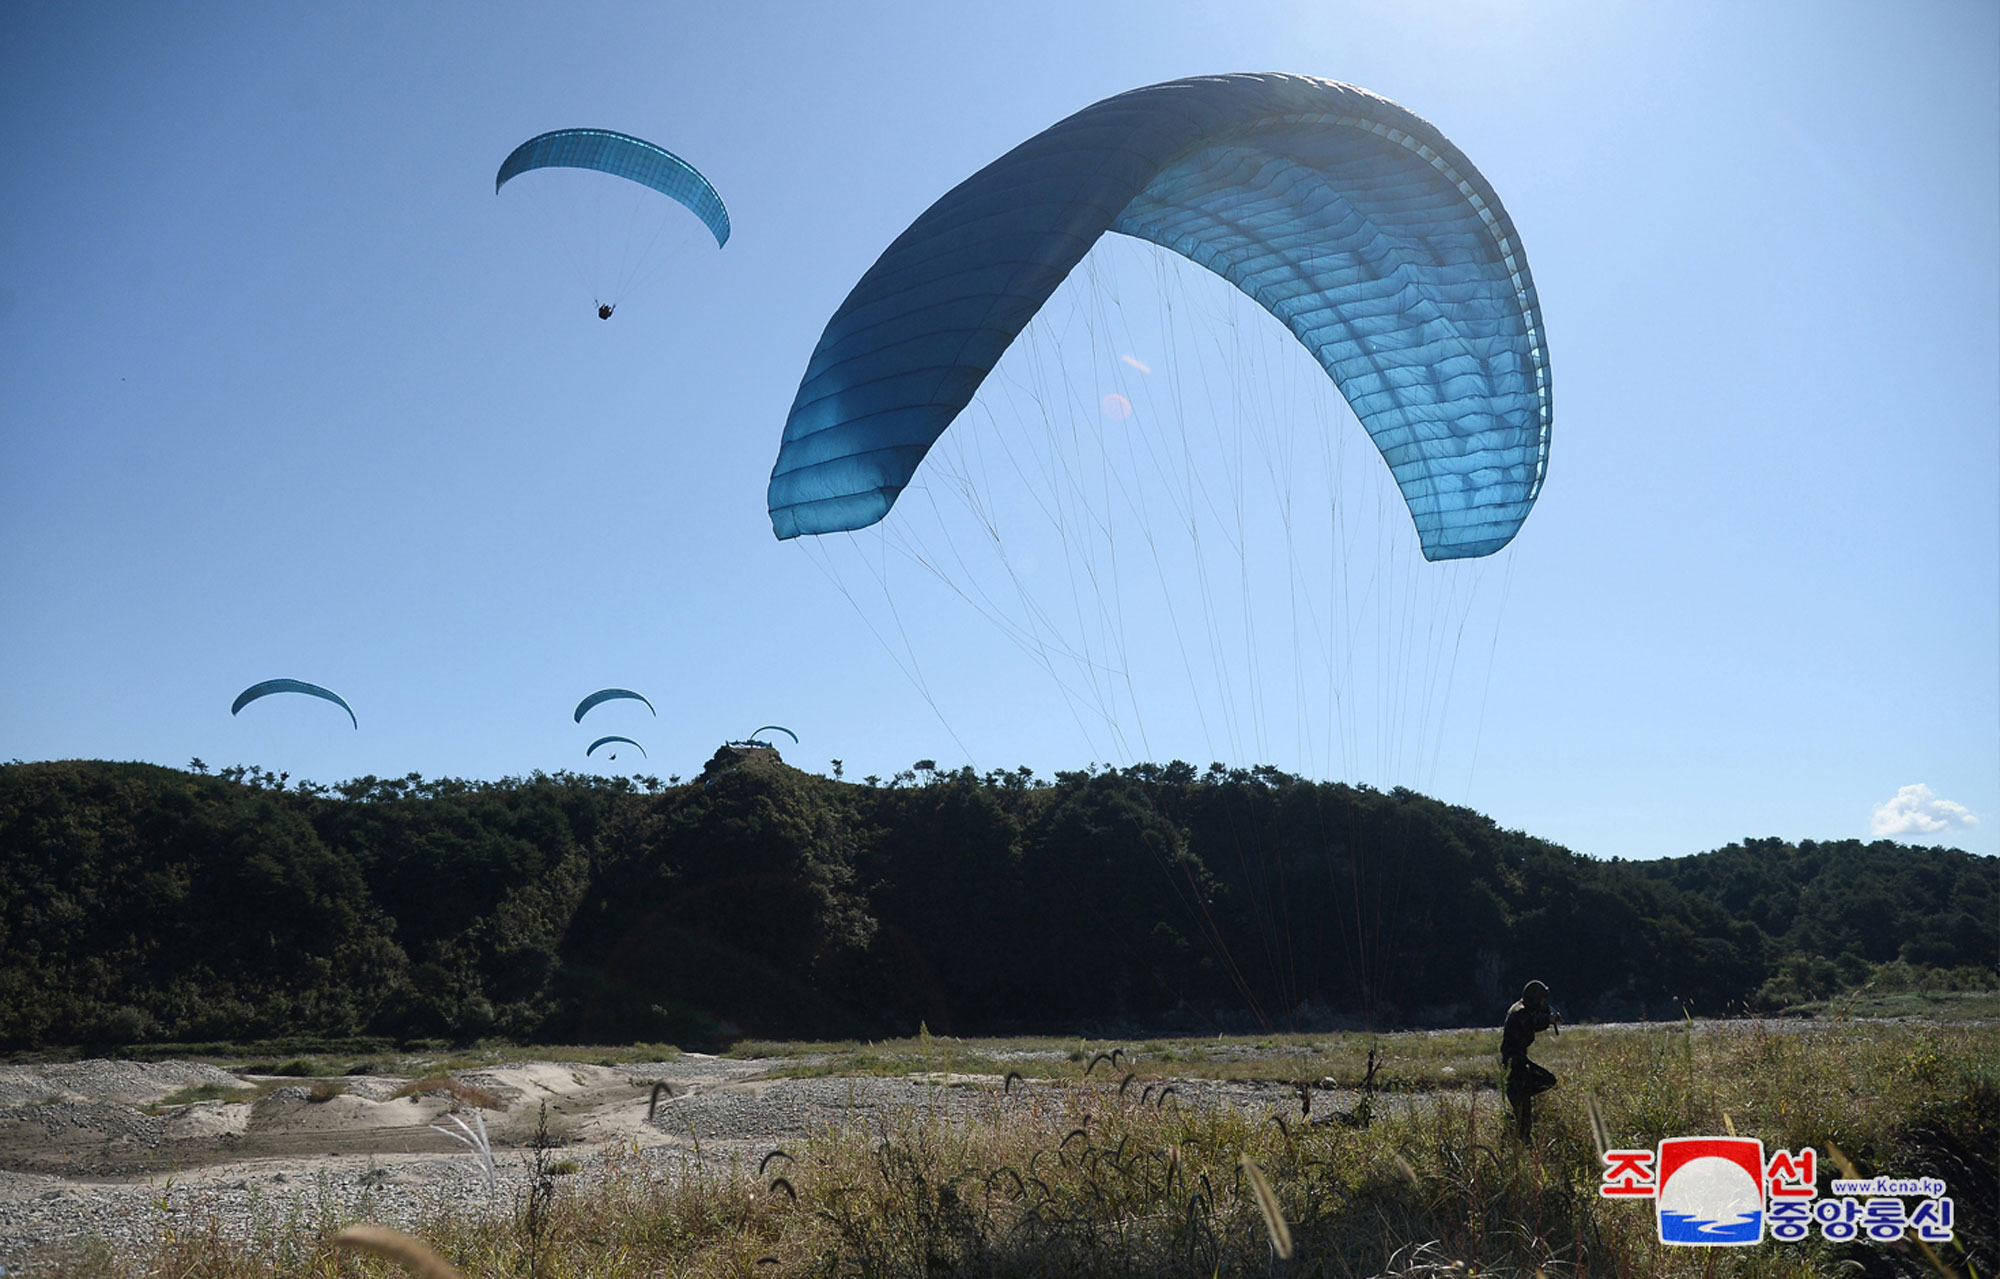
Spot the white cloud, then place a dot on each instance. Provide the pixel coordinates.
(1916, 810)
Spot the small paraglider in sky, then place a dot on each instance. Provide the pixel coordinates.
(618, 249)
(603, 695)
(271, 686)
(622, 156)
(605, 741)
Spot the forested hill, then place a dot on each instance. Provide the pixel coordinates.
(144, 903)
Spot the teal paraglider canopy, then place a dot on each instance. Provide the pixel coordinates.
(624, 156)
(606, 695)
(1351, 220)
(271, 686)
(604, 741)
(779, 728)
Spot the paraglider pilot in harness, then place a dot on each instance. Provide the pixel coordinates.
(1529, 1016)
(604, 310)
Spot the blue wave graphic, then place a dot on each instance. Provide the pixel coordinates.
(1685, 1227)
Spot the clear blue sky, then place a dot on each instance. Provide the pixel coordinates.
(285, 390)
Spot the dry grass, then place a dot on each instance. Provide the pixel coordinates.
(1412, 1062)
(465, 1094)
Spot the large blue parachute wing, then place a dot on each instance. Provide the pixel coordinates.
(1353, 221)
(606, 695)
(623, 156)
(603, 740)
(271, 686)
(779, 727)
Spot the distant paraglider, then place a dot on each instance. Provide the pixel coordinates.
(603, 695)
(780, 728)
(605, 741)
(636, 160)
(271, 686)
(623, 156)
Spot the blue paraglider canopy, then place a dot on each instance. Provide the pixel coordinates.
(606, 740)
(271, 686)
(623, 156)
(1352, 221)
(607, 695)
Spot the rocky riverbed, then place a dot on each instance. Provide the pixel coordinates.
(107, 1150)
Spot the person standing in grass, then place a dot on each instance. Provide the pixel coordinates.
(1528, 1017)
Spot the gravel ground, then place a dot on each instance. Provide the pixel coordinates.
(127, 1081)
(255, 1170)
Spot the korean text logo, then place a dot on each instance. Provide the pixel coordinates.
(1721, 1192)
